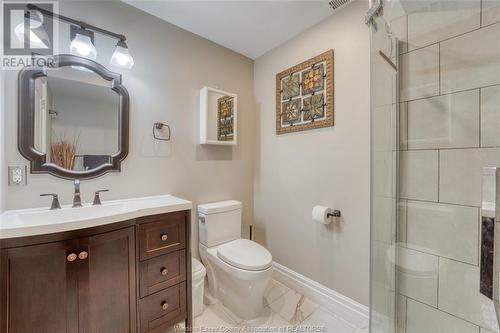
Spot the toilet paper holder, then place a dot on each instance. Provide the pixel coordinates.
(335, 213)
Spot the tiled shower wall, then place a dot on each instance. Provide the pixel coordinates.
(450, 129)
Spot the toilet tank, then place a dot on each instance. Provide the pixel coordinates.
(219, 222)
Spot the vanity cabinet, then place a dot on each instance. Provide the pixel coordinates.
(128, 277)
(80, 285)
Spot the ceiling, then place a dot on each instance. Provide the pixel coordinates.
(251, 28)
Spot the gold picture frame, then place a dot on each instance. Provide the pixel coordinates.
(315, 78)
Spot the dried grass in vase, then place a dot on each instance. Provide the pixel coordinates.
(63, 153)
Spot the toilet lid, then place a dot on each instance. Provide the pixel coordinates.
(245, 254)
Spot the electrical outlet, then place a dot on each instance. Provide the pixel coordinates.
(17, 175)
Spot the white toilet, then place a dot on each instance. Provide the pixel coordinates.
(238, 269)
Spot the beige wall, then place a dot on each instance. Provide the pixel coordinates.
(171, 65)
(291, 173)
(329, 166)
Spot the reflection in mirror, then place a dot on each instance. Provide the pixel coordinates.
(76, 118)
(218, 117)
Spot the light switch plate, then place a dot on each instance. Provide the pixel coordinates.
(17, 175)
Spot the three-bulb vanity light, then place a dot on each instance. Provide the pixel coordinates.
(82, 36)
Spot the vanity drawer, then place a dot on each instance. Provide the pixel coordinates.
(164, 235)
(162, 272)
(163, 308)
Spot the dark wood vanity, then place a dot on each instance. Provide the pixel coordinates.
(130, 276)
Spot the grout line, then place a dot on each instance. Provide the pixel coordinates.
(480, 114)
(481, 13)
(448, 313)
(438, 174)
(439, 68)
(451, 148)
(437, 289)
(439, 256)
(480, 223)
(451, 93)
(449, 38)
(442, 203)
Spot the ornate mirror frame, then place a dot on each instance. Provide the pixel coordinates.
(26, 119)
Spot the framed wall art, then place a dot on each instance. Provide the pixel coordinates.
(304, 95)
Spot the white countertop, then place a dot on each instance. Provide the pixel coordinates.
(39, 221)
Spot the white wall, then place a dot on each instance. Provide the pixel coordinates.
(171, 65)
(329, 166)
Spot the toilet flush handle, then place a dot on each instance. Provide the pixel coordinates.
(201, 219)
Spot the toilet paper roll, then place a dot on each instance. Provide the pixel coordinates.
(320, 214)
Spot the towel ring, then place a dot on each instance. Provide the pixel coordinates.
(159, 126)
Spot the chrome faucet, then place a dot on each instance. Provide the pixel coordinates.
(77, 200)
(55, 200)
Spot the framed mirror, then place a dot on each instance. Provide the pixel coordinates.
(73, 118)
(218, 117)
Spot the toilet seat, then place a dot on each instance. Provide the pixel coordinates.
(245, 254)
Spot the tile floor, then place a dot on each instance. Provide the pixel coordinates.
(286, 310)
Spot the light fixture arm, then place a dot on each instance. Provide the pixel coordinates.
(81, 24)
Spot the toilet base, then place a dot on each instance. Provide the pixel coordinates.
(239, 290)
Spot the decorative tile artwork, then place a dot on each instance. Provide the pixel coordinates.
(225, 113)
(304, 95)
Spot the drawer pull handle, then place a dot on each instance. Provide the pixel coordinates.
(83, 255)
(71, 257)
(164, 305)
(164, 271)
(164, 237)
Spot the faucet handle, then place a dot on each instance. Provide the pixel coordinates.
(55, 200)
(97, 198)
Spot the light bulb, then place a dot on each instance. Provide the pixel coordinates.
(121, 56)
(82, 46)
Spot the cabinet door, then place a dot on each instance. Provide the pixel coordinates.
(107, 283)
(39, 289)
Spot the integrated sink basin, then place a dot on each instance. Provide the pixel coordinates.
(38, 221)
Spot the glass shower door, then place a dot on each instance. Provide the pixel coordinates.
(433, 215)
(384, 189)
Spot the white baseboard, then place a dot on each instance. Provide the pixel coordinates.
(344, 307)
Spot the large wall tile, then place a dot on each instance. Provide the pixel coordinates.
(445, 230)
(445, 19)
(420, 73)
(419, 175)
(421, 318)
(471, 61)
(459, 294)
(448, 121)
(490, 116)
(418, 275)
(490, 12)
(460, 174)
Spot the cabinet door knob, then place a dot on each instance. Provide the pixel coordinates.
(164, 237)
(83, 255)
(164, 271)
(164, 305)
(71, 257)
